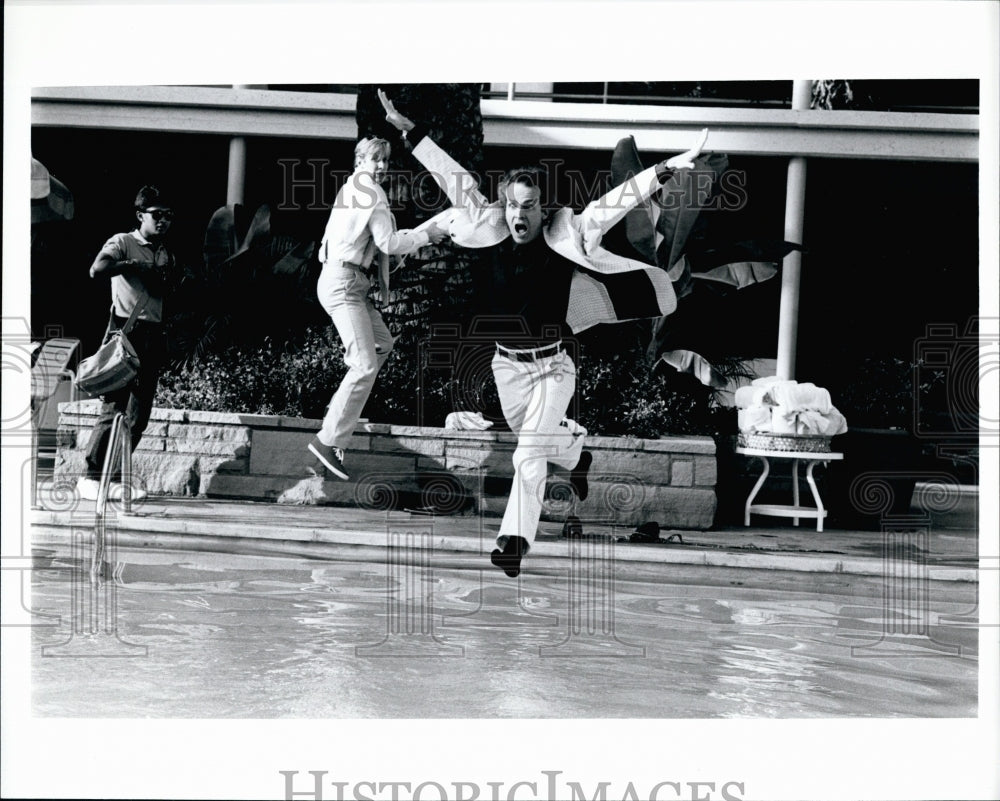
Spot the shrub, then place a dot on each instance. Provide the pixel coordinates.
(295, 378)
(618, 394)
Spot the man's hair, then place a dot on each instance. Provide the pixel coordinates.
(149, 196)
(528, 176)
(369, 145)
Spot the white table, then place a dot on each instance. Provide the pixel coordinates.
(795, 510)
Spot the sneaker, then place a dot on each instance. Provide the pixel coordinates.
(578, 475)
(332, 458)
(509, 559)
(88, 488)
(116, 489)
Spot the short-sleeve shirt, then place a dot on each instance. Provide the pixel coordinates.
(127, 290)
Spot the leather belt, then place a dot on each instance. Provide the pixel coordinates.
(531, 355)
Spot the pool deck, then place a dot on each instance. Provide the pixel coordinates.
(938, 547)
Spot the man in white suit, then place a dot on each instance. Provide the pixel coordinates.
(561, 281)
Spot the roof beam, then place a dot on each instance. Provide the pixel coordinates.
(523, 123)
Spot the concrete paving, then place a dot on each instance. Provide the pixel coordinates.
(944, 546)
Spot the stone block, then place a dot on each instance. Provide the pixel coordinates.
(698, 445)
(381, 466)
(496, 459)
(162, 474)
(208, 448)
(197, 418)
(70, 463)
(422, 446)
(173, 415)
(649, 468)
(682, 472)
(156, 428)
(209, 433)
(280, 453)
(705, 471)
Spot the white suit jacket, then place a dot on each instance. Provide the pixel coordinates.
(473, 221)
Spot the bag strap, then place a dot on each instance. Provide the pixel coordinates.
(136, 311)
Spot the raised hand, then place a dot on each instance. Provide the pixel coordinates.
(392, 116)
(685, 160)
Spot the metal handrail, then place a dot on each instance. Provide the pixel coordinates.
(119, 441)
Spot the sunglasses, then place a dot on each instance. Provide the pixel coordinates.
(160, 214)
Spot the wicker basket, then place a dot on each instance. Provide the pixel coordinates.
(783, 442)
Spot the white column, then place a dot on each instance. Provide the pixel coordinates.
(236, 186)
(795, 202)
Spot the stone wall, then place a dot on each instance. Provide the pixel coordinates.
(264, 458)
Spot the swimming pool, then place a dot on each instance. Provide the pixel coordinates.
(216, 635)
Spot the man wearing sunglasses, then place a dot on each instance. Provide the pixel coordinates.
(140, 269)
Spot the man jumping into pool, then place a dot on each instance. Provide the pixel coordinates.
(565, 282)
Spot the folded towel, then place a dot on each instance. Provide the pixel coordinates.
(466, 421)
(750, 396)
(798, 397)
(784, 420)
(783, 394)
(754, 419)
(765, 381)
(818, 424)
(809, 396)
(574, 427)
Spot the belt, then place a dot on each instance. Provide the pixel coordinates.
(531, 355)
(349, 264)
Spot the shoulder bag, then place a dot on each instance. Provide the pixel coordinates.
(116, 363)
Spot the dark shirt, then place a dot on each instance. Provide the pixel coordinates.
(526, 301)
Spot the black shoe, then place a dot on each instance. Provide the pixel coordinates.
(332, 458)
(509, 559)
(578, 476)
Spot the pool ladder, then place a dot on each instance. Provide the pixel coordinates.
(119, 443)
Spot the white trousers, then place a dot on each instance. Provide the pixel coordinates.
(343, 292)
(534, 397)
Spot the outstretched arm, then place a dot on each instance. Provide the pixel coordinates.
(457, 183)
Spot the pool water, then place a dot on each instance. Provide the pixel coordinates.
(175, 634)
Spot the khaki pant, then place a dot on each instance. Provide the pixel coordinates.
(343, 292)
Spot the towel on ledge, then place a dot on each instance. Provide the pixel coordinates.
(574, 427)
(466, 421)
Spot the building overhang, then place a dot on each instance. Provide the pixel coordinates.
(522, 123)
